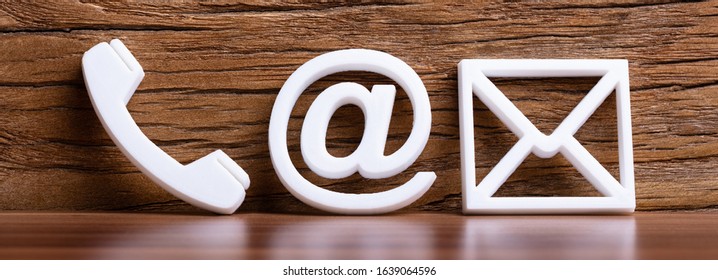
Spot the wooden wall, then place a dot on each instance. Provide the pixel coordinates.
(213, 71)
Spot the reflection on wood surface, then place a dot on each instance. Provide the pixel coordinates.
(411, 236)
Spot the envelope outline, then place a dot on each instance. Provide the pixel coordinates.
(619, 197)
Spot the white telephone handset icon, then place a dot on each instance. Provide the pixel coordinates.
(214, 182)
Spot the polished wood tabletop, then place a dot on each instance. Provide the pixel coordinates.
(402, 236)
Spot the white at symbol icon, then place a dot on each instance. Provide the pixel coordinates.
(368, 159)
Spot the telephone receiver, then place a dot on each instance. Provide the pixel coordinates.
(214, 182)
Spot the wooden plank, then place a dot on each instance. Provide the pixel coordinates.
(406, 236)
(214, 69)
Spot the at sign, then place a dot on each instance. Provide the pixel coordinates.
(368, 159)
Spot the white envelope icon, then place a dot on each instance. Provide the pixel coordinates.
(618, 197)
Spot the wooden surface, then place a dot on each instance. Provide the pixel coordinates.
(407, 236)
(213, 70)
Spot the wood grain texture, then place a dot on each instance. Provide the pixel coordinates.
(405, 236)
(213, 70)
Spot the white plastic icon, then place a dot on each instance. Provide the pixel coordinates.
(473, 79)
(214, 182)
(368, 159)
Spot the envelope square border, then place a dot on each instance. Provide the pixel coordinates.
(474, 74)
